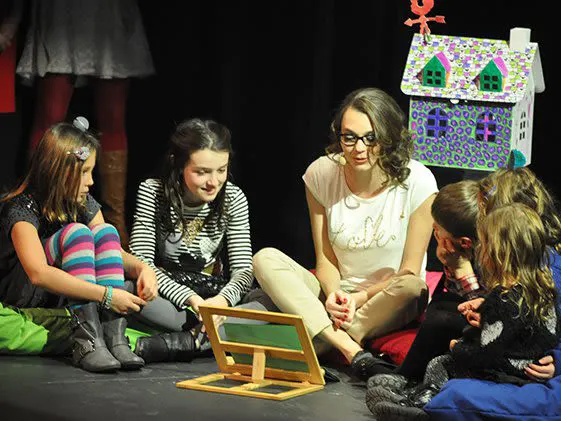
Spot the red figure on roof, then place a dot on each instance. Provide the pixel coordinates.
(421, 11)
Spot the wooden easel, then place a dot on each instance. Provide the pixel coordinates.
(257, 379)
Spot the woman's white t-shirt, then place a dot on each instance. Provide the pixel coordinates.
(368, 235)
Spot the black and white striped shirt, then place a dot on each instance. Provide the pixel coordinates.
(148, 241)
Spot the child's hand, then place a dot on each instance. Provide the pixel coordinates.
(216, 301)
(195, 301)
(123, 302)
(543, 371)
(470, 311)
(341, 307)
(453, 343)
(146, 284)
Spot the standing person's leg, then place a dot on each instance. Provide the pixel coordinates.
(53, 95)
(109, 272)
(110, 97)
(72, 249)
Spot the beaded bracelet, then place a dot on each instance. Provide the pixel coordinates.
(107, 297)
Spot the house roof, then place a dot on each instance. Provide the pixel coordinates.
(501, 65)
(468, 57)
(444, 60)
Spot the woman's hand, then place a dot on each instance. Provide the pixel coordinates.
(146, 284)
(470, 311)
(543, 371)
(123, 302)
(341, 306)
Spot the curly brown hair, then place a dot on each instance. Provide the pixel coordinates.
(389, 125)
(512, 251)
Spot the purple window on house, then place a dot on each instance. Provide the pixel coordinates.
(437, 123)
(486, 130)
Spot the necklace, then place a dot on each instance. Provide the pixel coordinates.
(193, 228)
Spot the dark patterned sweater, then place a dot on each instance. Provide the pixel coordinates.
(507, 340)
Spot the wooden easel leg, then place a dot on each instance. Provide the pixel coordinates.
(258, 368)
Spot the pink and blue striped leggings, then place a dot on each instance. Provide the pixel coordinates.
(93, 255)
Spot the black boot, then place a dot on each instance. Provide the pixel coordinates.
(114, 326)
(365, 365)
(174, 346)
(89, 351)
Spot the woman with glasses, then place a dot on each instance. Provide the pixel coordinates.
(369, 206)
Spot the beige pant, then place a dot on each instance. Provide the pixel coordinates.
(295, 290)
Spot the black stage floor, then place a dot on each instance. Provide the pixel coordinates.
(37, 388)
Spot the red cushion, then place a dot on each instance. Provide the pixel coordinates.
(432, 280)
(395, 345)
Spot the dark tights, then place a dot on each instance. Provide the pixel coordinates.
(443, 322)
(54, 92)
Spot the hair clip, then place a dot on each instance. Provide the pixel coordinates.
(81, 123)
(491, 191)
(82, 153)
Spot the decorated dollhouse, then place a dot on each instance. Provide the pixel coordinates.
(472, 100)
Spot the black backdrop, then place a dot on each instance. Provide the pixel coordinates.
(274, 72)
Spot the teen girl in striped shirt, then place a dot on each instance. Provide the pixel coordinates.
(183, 222)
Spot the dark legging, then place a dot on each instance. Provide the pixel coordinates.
(443, 322)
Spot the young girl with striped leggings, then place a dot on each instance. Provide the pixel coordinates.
(56, 250)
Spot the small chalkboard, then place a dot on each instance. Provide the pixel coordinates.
(271, 361)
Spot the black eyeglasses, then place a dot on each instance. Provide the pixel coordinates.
(350, 139)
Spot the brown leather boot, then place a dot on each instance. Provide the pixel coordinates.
(112, 172)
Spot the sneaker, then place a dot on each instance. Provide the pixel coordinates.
(393, 382)
(378, 394)
(420, 395)
(388, 411)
